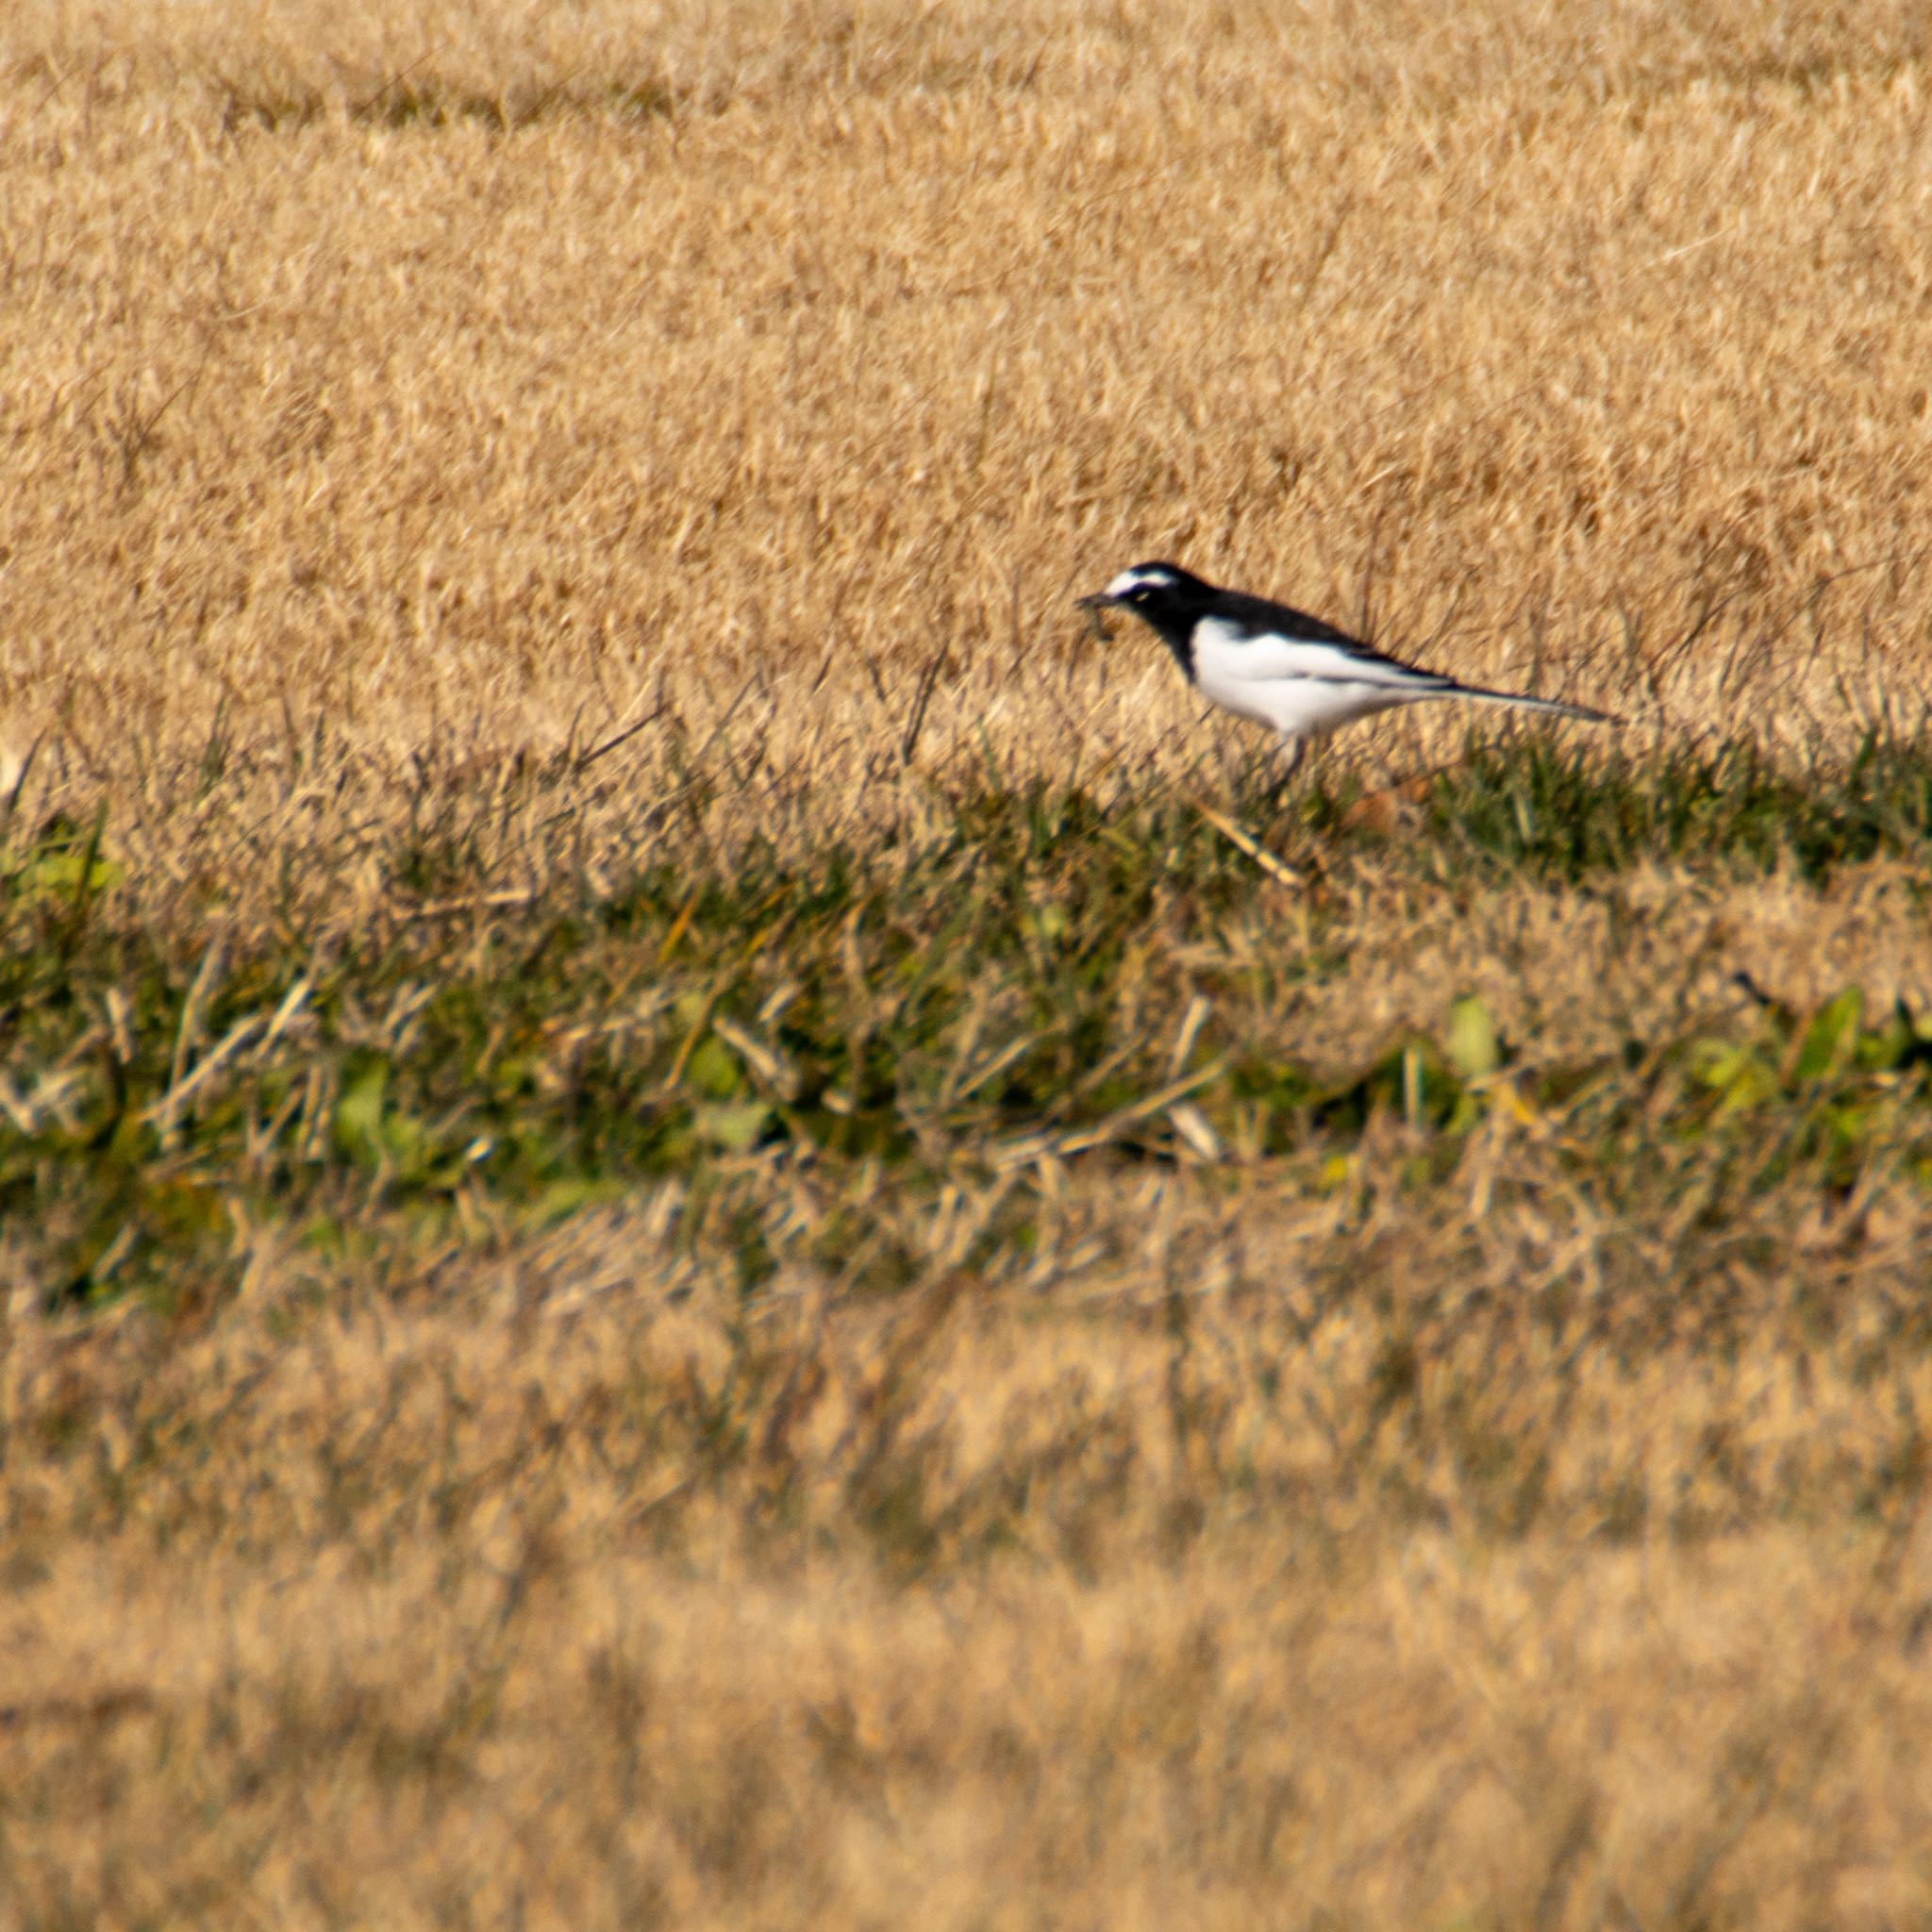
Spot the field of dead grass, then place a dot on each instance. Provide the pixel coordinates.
(685, 1242)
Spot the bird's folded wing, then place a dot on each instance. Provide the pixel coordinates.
(1238, 655)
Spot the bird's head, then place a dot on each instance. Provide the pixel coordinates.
(1163, 594)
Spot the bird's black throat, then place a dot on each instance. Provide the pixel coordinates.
(1172, 607)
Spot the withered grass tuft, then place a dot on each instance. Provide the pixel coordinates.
(685, 1245)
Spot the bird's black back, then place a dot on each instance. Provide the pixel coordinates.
(1172, 607)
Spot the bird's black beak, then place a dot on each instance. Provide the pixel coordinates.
(1096, 608)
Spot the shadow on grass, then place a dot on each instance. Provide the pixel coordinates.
(1049, 977)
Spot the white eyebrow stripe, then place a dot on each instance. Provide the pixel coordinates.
(1133, 581)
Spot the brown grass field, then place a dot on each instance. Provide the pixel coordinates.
(685, 1241)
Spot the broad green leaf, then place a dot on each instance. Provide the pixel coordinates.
(1337, 1171)
(1884, 1047)
(713, 1068)
(560, 1199)
(408, 1145)
(1831, 1033)
(57, 874)
(359, 1108)
(734, 1126)
(1474, 1051)
(1050, 923)
(1737, 1071)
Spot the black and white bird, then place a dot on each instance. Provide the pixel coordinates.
(1279, 665)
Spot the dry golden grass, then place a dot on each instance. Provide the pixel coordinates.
(752, 366)
(455, 1609)
(397, 405)
(1188, 1598)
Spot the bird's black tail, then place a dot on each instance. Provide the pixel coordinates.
(1556, 707)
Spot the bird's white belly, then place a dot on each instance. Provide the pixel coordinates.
(1295, 706)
